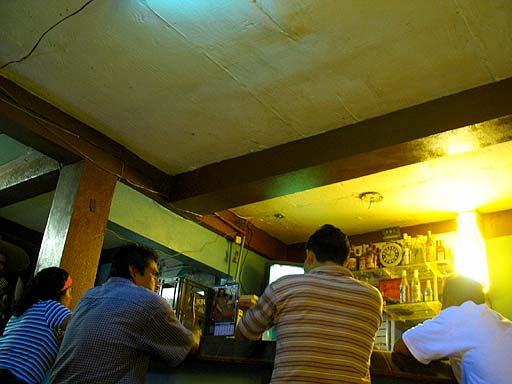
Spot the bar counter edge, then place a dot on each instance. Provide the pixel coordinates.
(226, 361)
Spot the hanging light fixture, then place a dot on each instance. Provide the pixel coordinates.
(469, 254)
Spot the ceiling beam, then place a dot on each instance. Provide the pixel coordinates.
(230, 225)
(38, 124)
(27, 176)
(397, 139)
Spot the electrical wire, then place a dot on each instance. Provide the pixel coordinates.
(242, 261)
(40, 119)
(44, 34)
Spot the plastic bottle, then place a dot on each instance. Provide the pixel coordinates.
(404, 288)
(428, 296)
(415, 288)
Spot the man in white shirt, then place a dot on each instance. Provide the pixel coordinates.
(476, 339)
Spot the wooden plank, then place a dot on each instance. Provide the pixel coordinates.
(38, 124)
(76, 227)
(399, 138)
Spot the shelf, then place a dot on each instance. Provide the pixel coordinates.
(439, 268)
(413, 311)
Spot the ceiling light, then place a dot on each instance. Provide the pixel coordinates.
(371, 197)
(469, 253)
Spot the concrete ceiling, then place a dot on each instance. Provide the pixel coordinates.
(188, 84)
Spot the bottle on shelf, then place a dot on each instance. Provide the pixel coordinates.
(415, 288)
(352, 261)
(404, 288)
(362, 258)
(406, 249)
(440, 251)
(430, 249)
(428, 295)
(370, 257)
(418, 250)
(357, 254)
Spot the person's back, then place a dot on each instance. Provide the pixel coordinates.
(115, 328)
(325, 320)
(33, 334)
(325, 323)
(106, 344)
(487, 341)
(476, 339)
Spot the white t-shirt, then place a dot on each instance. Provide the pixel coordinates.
(477, 340)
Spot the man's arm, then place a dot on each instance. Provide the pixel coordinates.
(401, 348)
(239, 336)
(197, 339)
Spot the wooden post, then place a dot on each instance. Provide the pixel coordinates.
(75, 230)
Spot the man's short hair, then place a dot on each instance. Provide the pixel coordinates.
(134, 255)
(461, 289)
(329, 244)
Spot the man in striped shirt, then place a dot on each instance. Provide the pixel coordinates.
(325, 320)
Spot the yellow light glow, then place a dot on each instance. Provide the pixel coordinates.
(469, 254)
(459, 147)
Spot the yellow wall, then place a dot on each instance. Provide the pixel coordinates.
(499, 258)
(140, 214)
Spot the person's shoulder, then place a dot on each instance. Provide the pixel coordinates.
(365, 285)
(287, 279)
(121, 289)
(146, 298)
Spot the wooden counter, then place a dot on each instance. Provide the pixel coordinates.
(226, 361)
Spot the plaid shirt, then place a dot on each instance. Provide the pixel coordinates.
(114, 330)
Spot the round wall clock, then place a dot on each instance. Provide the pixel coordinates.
(390, 254)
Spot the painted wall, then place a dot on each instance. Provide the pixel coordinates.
(499, 258)
(142, 215)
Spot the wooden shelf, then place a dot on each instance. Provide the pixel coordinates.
(438, 268)
(413, 311)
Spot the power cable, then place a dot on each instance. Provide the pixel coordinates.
(44, 34)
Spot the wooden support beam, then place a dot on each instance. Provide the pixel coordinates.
(40, 125)
(397, 139)
(74, 235)
(27, 176)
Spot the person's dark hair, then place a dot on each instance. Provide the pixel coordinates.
(135, 255)
(461, 289)
(329, 244)
(48, 284)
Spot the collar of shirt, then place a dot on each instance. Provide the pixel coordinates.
(120, 281)
(331, 270)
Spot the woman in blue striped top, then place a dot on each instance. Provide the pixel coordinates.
(33, 334)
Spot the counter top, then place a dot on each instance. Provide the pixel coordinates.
(260, 354)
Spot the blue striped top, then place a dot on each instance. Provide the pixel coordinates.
(30, 342)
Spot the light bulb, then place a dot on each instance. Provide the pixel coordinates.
(469, 254)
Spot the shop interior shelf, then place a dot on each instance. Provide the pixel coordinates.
(413, 311)
(439, 268)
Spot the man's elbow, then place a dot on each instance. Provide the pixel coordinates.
(239, 336)
(401, 348)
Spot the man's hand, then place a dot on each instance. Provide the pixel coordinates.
(196, 333)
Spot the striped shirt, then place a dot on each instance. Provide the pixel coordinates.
(114, 329)
(325, 324)
(30, 342)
